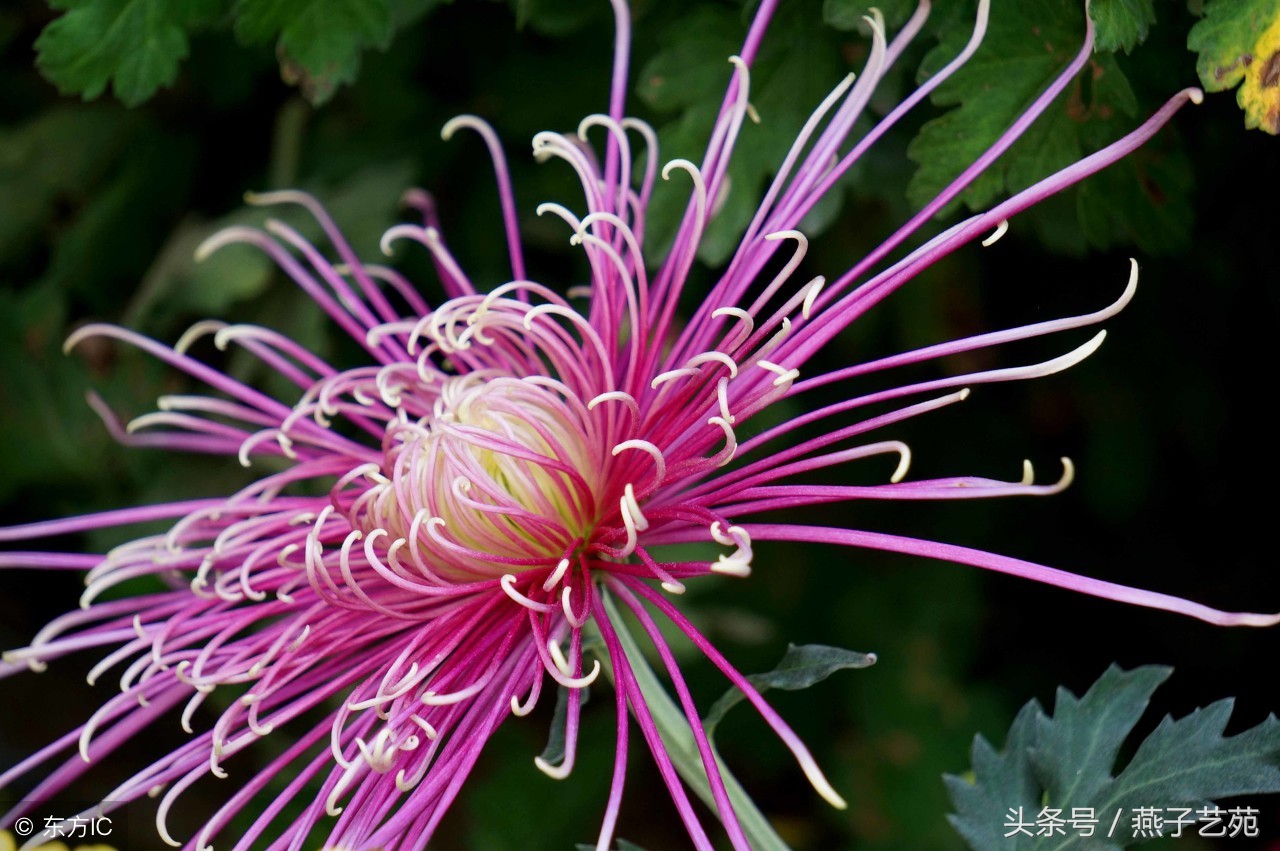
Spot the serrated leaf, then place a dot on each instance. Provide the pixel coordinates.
(1239, 40)
(1026, 47)
(319, 42)
(848, 14)
(1122, 24)
(801, 666)
(135, 46)
(1002, 781)
(1187, 762)
(1055, 767)
(1076, 749)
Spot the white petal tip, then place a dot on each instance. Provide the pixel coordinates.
(555, 772)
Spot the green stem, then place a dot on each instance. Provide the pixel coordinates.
(286, 143)
(677, 738)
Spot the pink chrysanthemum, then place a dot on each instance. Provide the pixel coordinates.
(507, 471)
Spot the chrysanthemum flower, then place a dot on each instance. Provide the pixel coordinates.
(442, 525)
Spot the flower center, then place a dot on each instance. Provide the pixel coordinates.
(503, 476)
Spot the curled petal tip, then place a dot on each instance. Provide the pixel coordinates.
(453, 125)
(820, 783)
(391, 234)
(904, 463)
(1000, 231)
(1131, 286)
(78, 336)
(681, 164)
(875, 20)
(217, 240)
(1068, 474)
(555, 772)
(204, 249)
(450, 127)
(1073, 357)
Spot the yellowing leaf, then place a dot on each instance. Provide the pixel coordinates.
(1239, 40)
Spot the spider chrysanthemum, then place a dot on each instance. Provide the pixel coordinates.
(441, 526)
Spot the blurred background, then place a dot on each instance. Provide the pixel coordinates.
(101, 207)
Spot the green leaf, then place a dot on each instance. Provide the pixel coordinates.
(1188, 761)
(319, 42)
(1143, 200)
(801, 666)
(135, 46)
(556, 17)
(1076, 749)
(1027, 46)
(848, 14)
(364, 205)
(693, 65)
(1239, 40)
(1004, 780)
(407, 12)
(1064, 763)
(1121, 23)
(798, 66)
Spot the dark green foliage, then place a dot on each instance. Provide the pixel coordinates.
(848, 14)
(319, 42)
(137, 46)
(1027, 46)
(1122, 24)
(133, 45)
